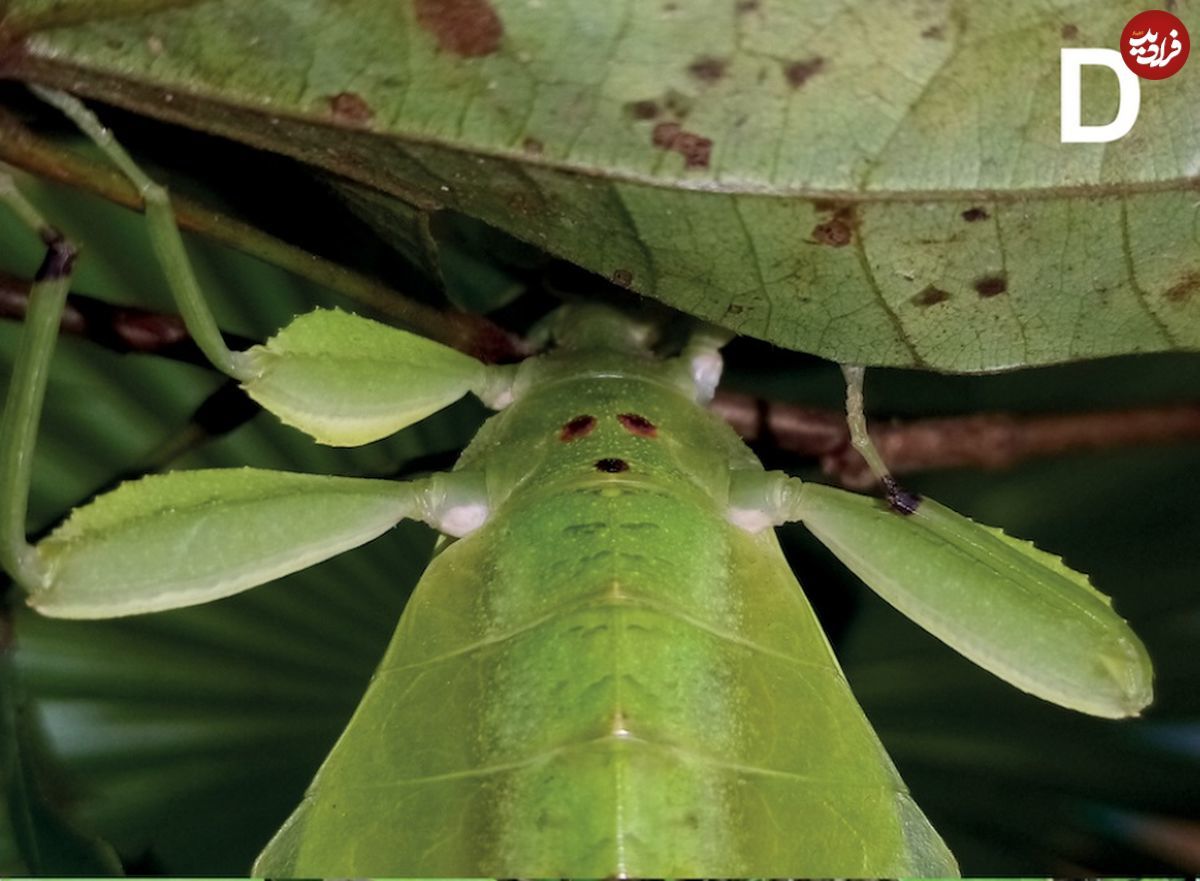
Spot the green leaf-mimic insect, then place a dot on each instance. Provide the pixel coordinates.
(611, 670)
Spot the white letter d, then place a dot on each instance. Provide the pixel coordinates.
(1128, 103)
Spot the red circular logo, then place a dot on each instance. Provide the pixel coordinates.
(1155, 44)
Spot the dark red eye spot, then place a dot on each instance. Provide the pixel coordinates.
(639, 425)
(578, 427)
(612, 466)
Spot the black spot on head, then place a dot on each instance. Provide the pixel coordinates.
(973, 214)
(612, 466)
(991, 285)
(580, 426)
(639, 425)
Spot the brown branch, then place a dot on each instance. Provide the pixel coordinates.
(986, 441)
(117, 328)
(473, 334)
(131, 329)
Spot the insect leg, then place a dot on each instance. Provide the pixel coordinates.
(27, 389)
(164, 235)
(202, 535)
(702, 356)
(900, 499)
(344, 379)
(1017, 611)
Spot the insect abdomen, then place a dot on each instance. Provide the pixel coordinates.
(608, 680)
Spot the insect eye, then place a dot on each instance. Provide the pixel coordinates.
(578, 427)
(638, 425)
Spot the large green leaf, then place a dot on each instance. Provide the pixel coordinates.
(873, 181)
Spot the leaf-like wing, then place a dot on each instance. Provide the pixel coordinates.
(189, 537)
(1009, 607)
(573, 700)
(348, 380)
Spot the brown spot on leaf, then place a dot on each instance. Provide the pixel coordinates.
(643, 109)
(622, 277)
(470, 28)
(350, 107)
(637, 424)
(971, 215)
(991, 285)
(836, 233)
(665, 133)
(838, 230)
(1183, 289)
(695, 149)
(934, 32)
(930, 296)
(533, 146)
(798, 73)
(708, 69)
(1069, 31)
(580, 426)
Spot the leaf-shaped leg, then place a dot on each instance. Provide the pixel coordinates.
(189, 537)
(347, 380)
(343, 379)
(1014, 610)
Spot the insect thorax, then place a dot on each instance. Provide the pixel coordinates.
(598, 417)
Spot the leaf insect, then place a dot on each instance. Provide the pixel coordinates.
(609, 669)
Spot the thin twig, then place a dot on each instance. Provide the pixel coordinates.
(985, 441)
(469, 333)
(117, 328)
(988, 441)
